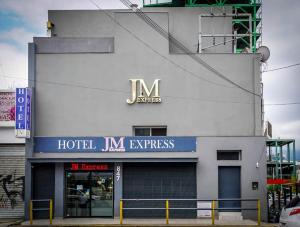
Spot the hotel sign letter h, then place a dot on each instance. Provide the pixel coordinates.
(141, 94)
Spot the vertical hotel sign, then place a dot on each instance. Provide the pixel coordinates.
(23, 112)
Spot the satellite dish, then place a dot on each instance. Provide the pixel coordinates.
(264, 53)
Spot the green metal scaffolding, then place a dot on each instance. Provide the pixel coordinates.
(281, 159)
(242, 25)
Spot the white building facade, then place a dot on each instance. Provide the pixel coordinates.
(190, 134)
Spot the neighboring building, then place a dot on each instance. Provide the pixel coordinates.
(281, 162)
(12, 160)
(282, 176)
(93, 145)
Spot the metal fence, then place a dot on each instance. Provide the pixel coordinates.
(167, 208)
(32, 209)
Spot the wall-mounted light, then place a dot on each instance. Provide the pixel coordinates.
(50, 27)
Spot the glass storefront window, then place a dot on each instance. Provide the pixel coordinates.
(89, 194)
(102, 194)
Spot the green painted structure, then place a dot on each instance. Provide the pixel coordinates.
(281, 162)
(243, 26)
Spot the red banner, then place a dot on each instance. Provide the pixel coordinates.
(278, 181)
(7, 106)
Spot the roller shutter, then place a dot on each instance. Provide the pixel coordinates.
(159, 181)
(12, 168)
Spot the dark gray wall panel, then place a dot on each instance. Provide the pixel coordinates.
(43, 187)
(229, 186)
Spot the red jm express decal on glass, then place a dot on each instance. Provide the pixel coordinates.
(85, 166)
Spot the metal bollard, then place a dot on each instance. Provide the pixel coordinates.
(50, 211)
(121, 212)
(213, 212)
(258, 213)
(30, 212)
(167, 212)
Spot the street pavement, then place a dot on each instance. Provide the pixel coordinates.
(108, 222)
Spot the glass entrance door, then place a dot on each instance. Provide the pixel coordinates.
(101, 194)
(89, 193)
(78, 194)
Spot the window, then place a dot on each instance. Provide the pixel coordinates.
(229, 155)
(150, 131)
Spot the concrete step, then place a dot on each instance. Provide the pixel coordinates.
(230, 216)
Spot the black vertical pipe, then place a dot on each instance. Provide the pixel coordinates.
(279, 205)
(284, 196)
(291, 193)
(268, 207)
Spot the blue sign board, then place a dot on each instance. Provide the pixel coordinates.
(23, 110)
(114, 144)
(20, 108)
(28, 110)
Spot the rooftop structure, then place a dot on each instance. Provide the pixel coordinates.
(246, 19)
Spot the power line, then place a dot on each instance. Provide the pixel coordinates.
(111, 90)
(3, 73)
(284, 67)
(282, 104)
(179, 45)
(189, 72)
(190, 98)
(70, 85)
(125, 92)
(157, 52)
(169, 37)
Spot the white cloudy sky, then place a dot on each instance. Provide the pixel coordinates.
(282, 35)
(20, 20)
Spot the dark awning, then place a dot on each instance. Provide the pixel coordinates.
(67, 160)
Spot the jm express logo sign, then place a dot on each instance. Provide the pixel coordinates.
(115, 144)
(142, 94)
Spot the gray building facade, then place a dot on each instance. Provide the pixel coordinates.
(82, 77)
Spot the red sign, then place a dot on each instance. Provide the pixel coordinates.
(89, 167)
(277, 181)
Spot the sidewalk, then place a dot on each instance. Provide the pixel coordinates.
(9, 222)
(140, 222)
